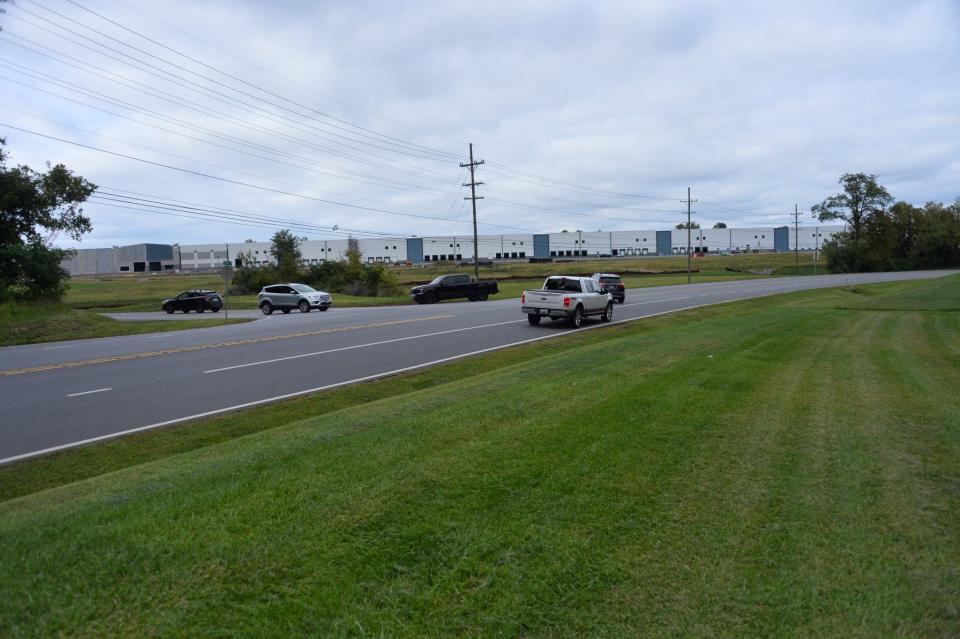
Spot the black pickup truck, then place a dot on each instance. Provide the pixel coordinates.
(448, 287)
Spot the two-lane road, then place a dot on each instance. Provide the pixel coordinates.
(54, 396)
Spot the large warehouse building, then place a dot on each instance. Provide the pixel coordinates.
(417, 250)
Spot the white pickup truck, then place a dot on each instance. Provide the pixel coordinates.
(567, 297)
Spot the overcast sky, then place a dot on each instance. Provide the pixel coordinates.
(589, 115)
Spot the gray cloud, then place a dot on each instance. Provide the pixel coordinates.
(756, 106)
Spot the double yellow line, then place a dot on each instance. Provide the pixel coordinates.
(201, 347)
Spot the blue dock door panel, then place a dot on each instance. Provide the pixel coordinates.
(541, 245)
(664, 239)
(415, 249)
(781, 239)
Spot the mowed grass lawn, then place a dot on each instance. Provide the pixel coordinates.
(780, 467)
(33, 323)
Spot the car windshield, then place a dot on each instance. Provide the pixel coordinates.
(303, 288)
(437, 280)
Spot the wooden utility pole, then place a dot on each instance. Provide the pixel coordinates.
(796, 237)
(473, 184)
(689, 257)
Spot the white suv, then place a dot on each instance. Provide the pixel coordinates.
(286, 297)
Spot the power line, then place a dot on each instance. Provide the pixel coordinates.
(237, 182)
(241, 80)
(39, 75)
(215, 81)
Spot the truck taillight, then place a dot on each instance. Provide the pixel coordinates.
(523, 298)
(566, 302)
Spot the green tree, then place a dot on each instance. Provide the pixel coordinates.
(720, 225)
(285, 248)
(861, 199)
(690, 225)
(33, 208)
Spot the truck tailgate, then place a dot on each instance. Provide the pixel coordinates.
(545, 299)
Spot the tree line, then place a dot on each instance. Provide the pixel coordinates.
(884, 235)
(350, 276)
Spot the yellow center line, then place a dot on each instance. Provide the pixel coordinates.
(200, 347)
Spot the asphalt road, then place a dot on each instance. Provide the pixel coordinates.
(64, 394)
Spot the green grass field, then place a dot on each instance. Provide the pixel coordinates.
(779, 467)
(25, 323)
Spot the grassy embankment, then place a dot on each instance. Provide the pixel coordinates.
(24, 323)
(783, 466)
(145, 292)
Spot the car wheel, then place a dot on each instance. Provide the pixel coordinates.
(323, 308)
(430, 298)
(304, 306)
(483, 296)
(533, 319)
(472, 298)
(266, 308)
(168, 309)
(199, 308)
(577, 318)
(608, 313)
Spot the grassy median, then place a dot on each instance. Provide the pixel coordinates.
(784, 466)
(32, 323)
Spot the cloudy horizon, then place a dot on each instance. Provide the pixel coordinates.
(593, 116)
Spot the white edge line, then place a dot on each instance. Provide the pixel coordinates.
(54, 348)
(90, 392)
(358, 380)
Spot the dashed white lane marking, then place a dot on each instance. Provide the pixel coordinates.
(356, 346)
(397, 339)
(90, 392)
(56, 348)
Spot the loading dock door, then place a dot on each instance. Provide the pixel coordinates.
(664, 242)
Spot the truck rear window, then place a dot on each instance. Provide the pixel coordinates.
(562, 284)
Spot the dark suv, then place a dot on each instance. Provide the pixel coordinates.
(198, 301)
(614, 285)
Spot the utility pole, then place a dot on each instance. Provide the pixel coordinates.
(689, 257)
(816, 251)
(473, 184)
(796, 237)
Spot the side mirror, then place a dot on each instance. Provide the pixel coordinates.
(443, 283)
(603, 290)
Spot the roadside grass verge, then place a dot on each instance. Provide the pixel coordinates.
(773, 467)
(26, 323)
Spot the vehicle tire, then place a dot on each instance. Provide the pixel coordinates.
(472, 298)
(199, 308)
(168, 309)
(430, 298)
(482, 296)
(323, 308)
(304, 306)
(266, 308)
(286, 311)
(608, 313)
(576, 320)
(533, 319)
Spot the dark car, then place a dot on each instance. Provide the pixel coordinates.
(447, 287)
(614, 285)
(198, 301)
